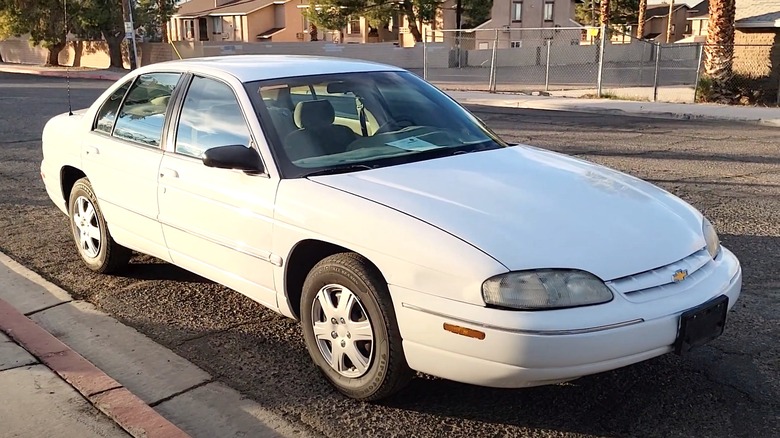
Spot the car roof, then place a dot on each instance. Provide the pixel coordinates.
(249, 68)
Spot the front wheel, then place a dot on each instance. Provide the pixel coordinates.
(350, 328)
(96, 246)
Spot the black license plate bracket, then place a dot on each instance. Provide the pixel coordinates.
(701, 324)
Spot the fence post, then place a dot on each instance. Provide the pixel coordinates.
(601, 59)
(493, 66)
(698, 72)
(778, 91)
(657, 64)
(547, 68)
(425, 53)
(642, 63)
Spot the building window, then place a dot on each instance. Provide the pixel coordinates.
(687, 27)
(673, 26)
(517, 11)
(216, 25)
(354, 26)
(516, 44)
(703, 27)
(548, 11)
(189, 29)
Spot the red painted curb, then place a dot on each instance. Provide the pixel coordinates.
(119, 404)
(123, 407)
(73, 74)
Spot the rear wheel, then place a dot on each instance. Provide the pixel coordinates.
(96, 246)
(350, 328)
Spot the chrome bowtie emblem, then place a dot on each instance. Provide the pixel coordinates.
(680, 275)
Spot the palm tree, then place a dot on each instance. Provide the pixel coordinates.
(604, 19)
(640, 29)
(669, 22)
(719, 49)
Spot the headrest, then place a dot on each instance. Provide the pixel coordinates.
(314, 114)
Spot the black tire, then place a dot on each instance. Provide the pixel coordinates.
(104, 256)
(387, 371)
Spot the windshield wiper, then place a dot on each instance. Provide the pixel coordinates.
(340, 169)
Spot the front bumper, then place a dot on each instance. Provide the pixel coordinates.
(523, 349)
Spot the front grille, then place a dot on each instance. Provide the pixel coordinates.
(659, 283)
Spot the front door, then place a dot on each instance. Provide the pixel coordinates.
(203, 30)
(217, 222)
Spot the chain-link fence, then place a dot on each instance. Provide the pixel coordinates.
(578, 62)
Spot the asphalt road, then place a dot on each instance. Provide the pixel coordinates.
(728, 388)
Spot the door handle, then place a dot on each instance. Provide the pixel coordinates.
(168, 173)
(91, 150)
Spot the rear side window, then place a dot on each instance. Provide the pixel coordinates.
(107, 114)
(142, 116)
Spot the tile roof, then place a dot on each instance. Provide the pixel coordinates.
(758, 13)
(199, 8)
(700, 10)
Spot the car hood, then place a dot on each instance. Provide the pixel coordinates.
(529, 208)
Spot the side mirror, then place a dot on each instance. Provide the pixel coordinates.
(233, 157)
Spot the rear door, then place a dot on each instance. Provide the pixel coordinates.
(121, 157)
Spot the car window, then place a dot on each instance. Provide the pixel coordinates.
(210, 117)
(142, 115)
(338, 122)
(107, 113)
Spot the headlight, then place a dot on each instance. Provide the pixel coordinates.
(711, 237)
(545, 289)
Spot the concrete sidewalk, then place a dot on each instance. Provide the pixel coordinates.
(680, 111)
(69, 370)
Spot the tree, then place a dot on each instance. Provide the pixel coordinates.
(335, 14)
(620, 12)
(476, 12)
(604, 11)
(719, 49)
(669, 22)
(44, 20)
(154, 16)
(640, 29)
(102, 19)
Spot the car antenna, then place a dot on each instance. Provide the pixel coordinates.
(67, 68)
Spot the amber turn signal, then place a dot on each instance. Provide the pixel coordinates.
(463, 331)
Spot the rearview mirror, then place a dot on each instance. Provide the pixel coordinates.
(233, 157)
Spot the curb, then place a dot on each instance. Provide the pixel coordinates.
(109, 396)
(73, 74)
(620, 112)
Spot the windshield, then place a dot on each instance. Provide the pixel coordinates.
(356, 121)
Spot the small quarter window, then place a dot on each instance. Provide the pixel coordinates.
(107, 113)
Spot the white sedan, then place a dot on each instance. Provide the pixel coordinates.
(401, 232)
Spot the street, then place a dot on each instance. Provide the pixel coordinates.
(728, 388)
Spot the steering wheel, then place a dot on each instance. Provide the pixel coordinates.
(398, 123)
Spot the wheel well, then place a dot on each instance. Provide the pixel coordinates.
(304, 256)
(68, 177)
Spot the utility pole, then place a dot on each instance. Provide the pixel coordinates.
(593, 13)
(127, 14)
(669, 23)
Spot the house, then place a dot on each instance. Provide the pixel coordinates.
(698, 20)
(755, 22)
(511, 17)
(237, 20)
(657, 17)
